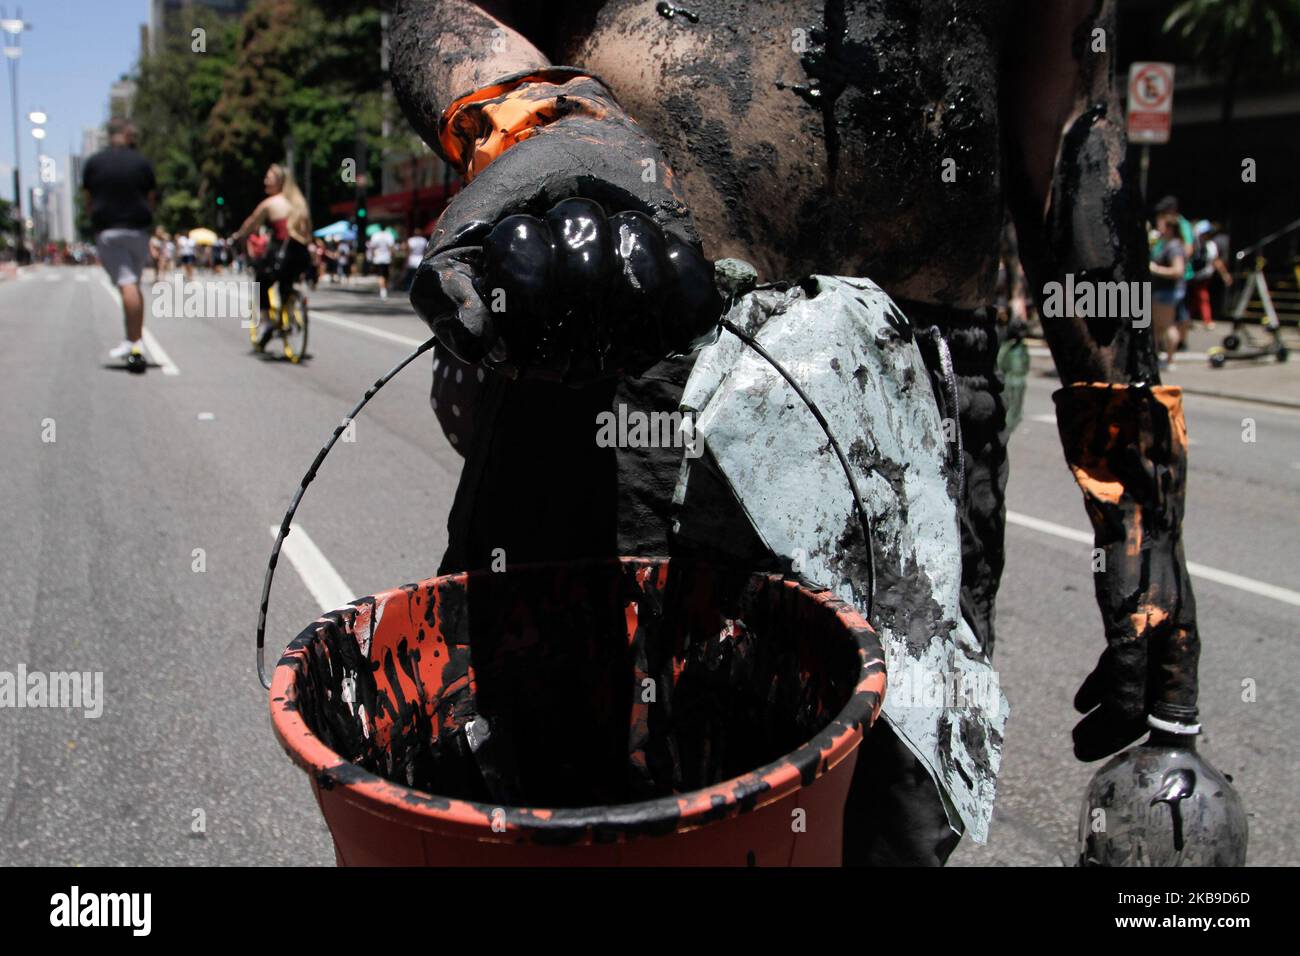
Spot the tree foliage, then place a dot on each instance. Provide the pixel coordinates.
(1261, 37)
(1242, 39)
(176, 90)
(293, 79)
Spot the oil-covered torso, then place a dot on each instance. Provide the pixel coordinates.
(853, 138)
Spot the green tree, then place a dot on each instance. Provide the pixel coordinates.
(176, 90)
(1242, 39)
(6, 224)
(306, 73)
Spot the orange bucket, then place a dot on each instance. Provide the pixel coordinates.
(625, 712)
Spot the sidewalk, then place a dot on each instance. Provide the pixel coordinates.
(1265, 381)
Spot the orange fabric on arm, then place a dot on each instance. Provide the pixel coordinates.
(479, 126)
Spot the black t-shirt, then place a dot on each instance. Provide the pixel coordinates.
(119, 181)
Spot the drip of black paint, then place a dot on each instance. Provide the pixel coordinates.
(827, 78)
(668, 11)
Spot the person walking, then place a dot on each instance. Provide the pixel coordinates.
(120, 192)
(188, 251)
(156, 254)
(415, 246)
(343, 262)
(1168, 283)
(1207, 261)
(380, 251)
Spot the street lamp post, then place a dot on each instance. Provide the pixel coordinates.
(40, 215)
(13, 28)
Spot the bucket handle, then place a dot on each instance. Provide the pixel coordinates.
(749, 340)
(864, 518)
(302, 488)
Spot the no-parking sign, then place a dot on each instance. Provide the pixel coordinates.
(1150, 102)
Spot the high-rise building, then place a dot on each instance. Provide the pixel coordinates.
(121, 98)
(93, 139)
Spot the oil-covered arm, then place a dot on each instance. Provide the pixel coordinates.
(444, 48)
(1081, 227)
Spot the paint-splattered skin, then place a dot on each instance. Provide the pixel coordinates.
(811, 135)
(768, 178)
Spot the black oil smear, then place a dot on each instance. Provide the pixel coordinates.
(743, 676)
(668, 12)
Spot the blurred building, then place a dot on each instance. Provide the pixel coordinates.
(164, 16)
(51, 212)
(93, 139)
(121, 96)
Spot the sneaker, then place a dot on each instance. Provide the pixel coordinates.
(135, 362)
(120, 353)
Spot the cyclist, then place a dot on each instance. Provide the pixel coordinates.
(285, 210)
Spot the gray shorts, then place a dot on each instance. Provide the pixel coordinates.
(123, 254)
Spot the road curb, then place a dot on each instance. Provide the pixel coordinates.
(1042, 363)
(1237, 397)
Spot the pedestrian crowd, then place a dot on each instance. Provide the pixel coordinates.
(1189, 276)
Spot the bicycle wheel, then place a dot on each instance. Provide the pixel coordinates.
(294, 329)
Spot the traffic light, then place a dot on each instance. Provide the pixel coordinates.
(361, 212)
(221, 200)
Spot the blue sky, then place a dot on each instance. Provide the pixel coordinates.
(75, 50)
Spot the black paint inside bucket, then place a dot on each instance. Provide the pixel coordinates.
(593, 684)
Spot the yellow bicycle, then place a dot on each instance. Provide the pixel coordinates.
(288, 320)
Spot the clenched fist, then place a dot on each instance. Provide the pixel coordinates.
(569, 256)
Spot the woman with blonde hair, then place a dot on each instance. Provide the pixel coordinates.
(285, 210)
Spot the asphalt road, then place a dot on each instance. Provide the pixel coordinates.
(98, 572)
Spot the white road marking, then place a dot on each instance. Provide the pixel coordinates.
(207, 417)
(159, 355)
(1045, 419)
(314, 568)
(330, 319)
(1241, 583)
(81, 277)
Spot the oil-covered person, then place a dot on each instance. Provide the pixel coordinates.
(876, 138)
